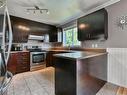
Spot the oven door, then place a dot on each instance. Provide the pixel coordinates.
(38, 58)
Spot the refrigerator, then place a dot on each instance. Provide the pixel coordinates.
(5, 47)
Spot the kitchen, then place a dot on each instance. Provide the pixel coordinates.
(75, 48)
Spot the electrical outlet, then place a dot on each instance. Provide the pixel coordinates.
(92, 45)
(96, 45)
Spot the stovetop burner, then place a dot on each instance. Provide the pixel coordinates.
(35, 50)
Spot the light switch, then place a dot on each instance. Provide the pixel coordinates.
(96, 45)
(92, 45)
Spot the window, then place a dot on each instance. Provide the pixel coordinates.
(70, 37)
(59, 36)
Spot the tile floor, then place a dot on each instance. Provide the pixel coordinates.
(42, 83)
(33, 83)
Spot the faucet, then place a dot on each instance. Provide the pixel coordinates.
(69, 47)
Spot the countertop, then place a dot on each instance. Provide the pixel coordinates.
(71, 54)
(79, 55)
(69, 51)
(18, 51)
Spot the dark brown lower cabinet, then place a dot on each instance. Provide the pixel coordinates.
(19, 62)
(11, 66)
(65, 77)
(50, 58)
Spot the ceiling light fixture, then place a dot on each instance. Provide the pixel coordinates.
(2, 3)
(36, 9)
(48, 12)
(41, 11)
(34, 12)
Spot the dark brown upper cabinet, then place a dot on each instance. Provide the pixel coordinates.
(22, 28)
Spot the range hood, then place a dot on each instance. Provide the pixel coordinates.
(35, 37)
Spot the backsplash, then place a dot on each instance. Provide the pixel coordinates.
(42, 45)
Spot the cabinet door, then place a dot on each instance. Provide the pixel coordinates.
(50, 58)
(23, 62)
(53, 34)
(33, 28)
(48, 61)
(12, 63)
(19, 62)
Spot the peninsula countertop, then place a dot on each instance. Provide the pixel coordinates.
(79, 54)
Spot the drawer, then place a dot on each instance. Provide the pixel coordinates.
(25, 54)
(23, 61)
(25, 58)
(23, 64)
(23, 69)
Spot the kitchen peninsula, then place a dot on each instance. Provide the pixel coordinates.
(80, 73)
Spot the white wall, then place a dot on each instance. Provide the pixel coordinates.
(117, 66)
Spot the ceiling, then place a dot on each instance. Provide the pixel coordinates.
(61, 11)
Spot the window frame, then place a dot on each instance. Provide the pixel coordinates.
(64, 36)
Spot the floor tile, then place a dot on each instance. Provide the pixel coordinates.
(39, 82)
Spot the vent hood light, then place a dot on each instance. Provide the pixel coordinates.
(35, 37)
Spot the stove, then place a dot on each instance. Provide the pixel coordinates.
(37, 59)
